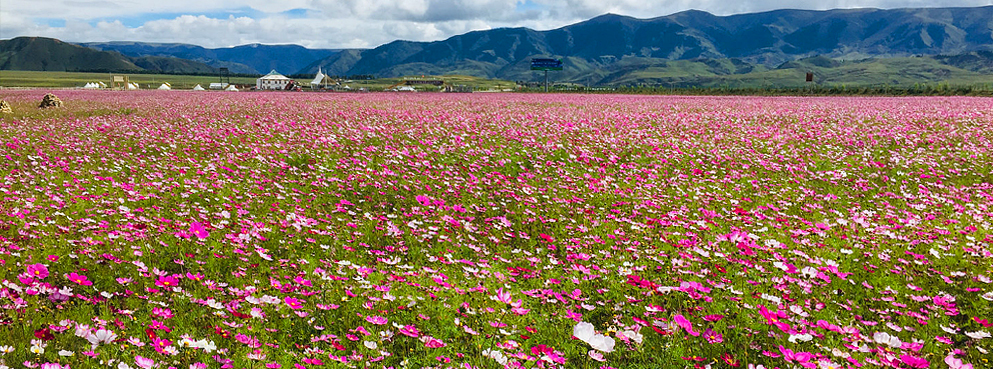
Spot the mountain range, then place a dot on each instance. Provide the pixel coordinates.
(609, 49)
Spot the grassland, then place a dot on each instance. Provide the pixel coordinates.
(19, 78)
(9, 78)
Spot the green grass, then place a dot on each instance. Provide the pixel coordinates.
(20, 78)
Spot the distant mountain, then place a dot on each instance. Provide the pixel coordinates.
(244, 59)
(678, 49)
(595, 50)
(48, 54)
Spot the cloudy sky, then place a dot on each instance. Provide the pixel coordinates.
(349, 23)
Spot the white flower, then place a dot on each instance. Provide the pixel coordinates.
(6, 350)
(886, 339)
(796, 309)
(978, 335)
(772, 298)
(37, 349)
(634, 336)
(372, 345)
(496, 355)
(101, 336)
(585, 332)
(806, 337)
(602, 343)
(66, 353)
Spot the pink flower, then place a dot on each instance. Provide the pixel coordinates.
(144, 363)
(504, 296)
(79, 279)
(424, 200)
(37, 270)
(713, 337)
(431, 342)
(197, 229)
(410, 331)
(377, 320)
(956, 363)
(685, 324)
(53, 258)
(292, 302)
(914, 362)
(167, 282)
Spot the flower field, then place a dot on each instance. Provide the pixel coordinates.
(290, 230)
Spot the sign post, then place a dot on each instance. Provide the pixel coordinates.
(546, 65)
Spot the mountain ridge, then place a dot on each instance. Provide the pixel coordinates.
(613, 48)
(767, 38)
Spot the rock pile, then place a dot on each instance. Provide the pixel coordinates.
(50, 101)
(5, 107)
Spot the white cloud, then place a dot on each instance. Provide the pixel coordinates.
(348, 23)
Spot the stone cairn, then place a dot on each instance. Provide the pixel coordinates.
(50, 101)
(5, 107)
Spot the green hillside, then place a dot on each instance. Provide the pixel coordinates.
(46, 54)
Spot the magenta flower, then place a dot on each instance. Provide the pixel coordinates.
(685, 324)
(37, 270)
(79, 279)
(167, 282)
(410, 331)
(914, 362)
(424, 200)
(292, 302)
(197, 229)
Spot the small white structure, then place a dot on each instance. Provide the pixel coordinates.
(321, 80)
(133, 86)
(165, 86)
(197, 88)
(272, 81)
(91, 85)
(218, 86)
(231, 88)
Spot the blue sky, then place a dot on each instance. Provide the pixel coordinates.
(350, 23)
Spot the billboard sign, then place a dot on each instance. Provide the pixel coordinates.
(546, 64)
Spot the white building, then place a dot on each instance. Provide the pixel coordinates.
(272, 81)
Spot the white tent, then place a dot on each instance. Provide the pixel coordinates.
(91, 85)
(165, 86)
(231, 88)
(197, 88)
(132, 86)
(321, 79)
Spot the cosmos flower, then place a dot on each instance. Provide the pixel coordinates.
(39, 271)
(585, 332)
(79, 279)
